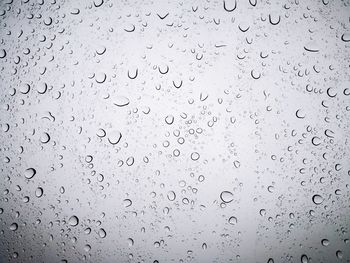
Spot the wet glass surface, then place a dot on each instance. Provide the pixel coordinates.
(175, 131)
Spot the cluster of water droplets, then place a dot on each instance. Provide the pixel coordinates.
(174, 131)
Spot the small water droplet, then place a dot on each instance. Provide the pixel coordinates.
(39, 192)
(169, 119)
(29, 173)
(304, 259)
(339, 254)
(325, 242)
(102, 233)
(2, 53)
(87, 248)
(114, 137)
(226, 196)
(127, 202)
(232, 220)
(45, 137)
(73, 221)
(317, 199)
(195, 156)
(171, 195)
(14, 226)
(121, 101)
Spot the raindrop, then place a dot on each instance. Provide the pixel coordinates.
(133, 75)
(24, 89)
(229, 9)
(102, 233)
(127, 202)
(171, 195)
(262, 212)
(87, 248)
(98, 3)
(14, 226)
(45, 137)
(304, 259)
(2, 53)
(101, 133)
(274, 21)
(345, 37)
(29, 173)
(232, 220)
(100, 77)
(75, 11)
(114, 137)
(100, 50)
(73, 221)
(169, 119)
(317, 199)
(339, 254)
(226, 196)
(312, 47)
(195, 156)
(121, 101)
(62, 190)
(39, 192)
(130, 242)
(325, 242)
(41, 88)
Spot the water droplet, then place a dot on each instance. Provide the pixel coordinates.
(195, 156)
(114, 137)
(14, 226)
(339, 254)
(101, 133)
(39, 192)
(346, 37)
(304, 259)
(130, 242)
(121, 101)
(45, 137)
(226, 196)
(62, 190)
(102, 233)
(127, 202)
(317, 199)
(100, 77)
(73, 221)
(2, 53)
(169, 119)
(29, 173)
(171, 195)
(325, 242)
(262, 212)
(87, 248)
(312, 47)
(232, 220)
